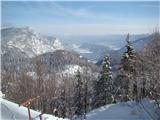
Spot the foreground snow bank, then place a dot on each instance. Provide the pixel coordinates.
(144, 110)
(12, 111)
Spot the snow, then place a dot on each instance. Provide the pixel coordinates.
(145, 110)
(31, 42)
(58, 45)
(12, 111)
(72, 69)
(80, 56)
(1, 94)
(32, 74)
(126, 55)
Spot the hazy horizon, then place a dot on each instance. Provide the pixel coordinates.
(82, 18)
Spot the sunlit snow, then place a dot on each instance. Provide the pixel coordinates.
(72, 69)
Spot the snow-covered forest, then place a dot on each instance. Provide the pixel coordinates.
(80, 60)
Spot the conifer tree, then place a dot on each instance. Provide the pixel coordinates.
(104, 85)
(127, 69)
(78, 96)
(62, 100)
(85, 98)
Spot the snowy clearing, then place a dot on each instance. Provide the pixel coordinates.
(145, 110)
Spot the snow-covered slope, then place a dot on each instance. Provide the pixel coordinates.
(12, 111)
(29, 41)
(145, 110)
(72, 69)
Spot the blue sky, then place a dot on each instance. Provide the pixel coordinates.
(79, 18)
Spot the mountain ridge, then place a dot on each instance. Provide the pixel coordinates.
(28, 41)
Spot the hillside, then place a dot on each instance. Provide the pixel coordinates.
(60, 59)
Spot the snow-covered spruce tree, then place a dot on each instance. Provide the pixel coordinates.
(78, 97)
(62, 99)
(127, 70)
(85, 98)
(104, 86)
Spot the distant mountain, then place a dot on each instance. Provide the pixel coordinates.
(90, 51)
(114, 42)
(95, 47)
(28, 41)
